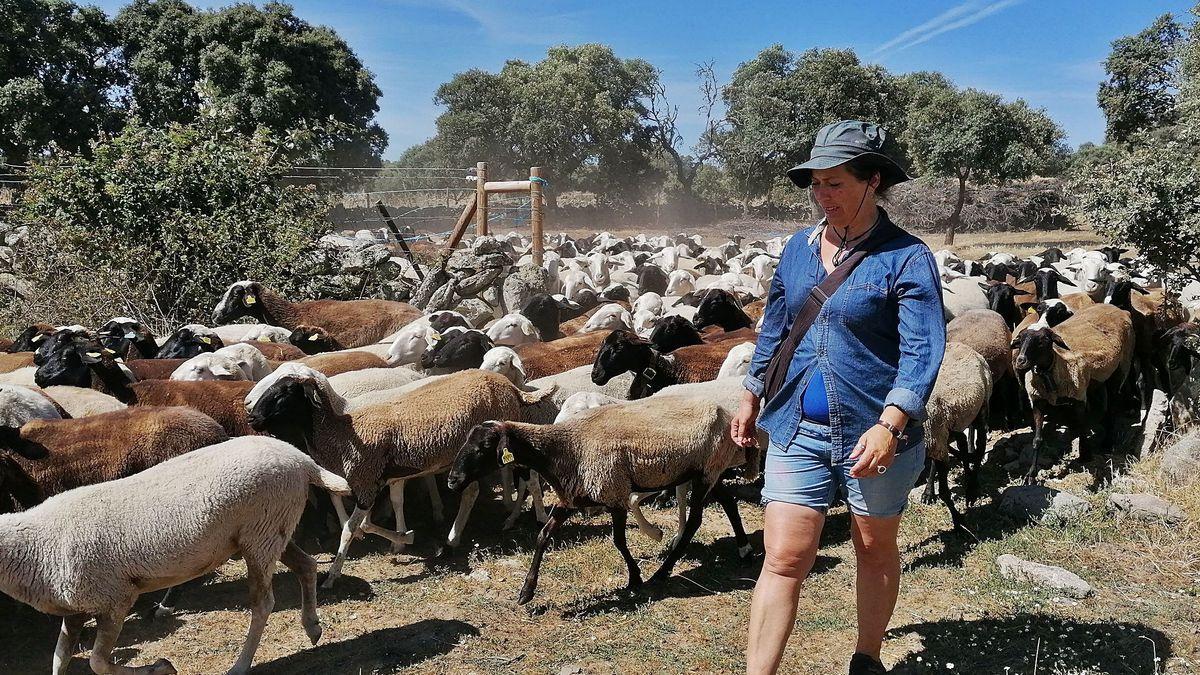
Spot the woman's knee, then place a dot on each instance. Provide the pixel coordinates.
(789, 561)
(876, 550)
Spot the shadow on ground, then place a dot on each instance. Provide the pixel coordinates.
(1012, 644)
(386, 650)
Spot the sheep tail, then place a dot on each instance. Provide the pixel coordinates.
(537, 395)
(328, 480)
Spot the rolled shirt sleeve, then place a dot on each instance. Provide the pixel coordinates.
(776, 324)
(922, 330)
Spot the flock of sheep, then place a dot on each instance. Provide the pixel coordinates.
(131, 463)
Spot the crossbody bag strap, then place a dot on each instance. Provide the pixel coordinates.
(777, 367)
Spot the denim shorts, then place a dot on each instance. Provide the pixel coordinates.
(809, 472)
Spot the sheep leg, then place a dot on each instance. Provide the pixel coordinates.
(435, 499)
(514, 509)
(558, 515)
(535, 491)
(695, 516)
(619, 519)
(644, 526)
(396, 493)
(929, 496)
(1039, 418)
(466, 502)
(108, 629)
(728, 502)
(68, 641)
(506, 487)
(943, 479)
(305, 568)
(352, 523)
(262, 601)
(392, 536)
(681, 512)
(339, 507)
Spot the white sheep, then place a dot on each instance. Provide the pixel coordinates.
(505, 361)
(81, 402)
(513, 329)
(610, 317)
(650, 301)
(93, 550)
(737, 363)
(20, 404)
(248, 357)
(356, 383)
(261, 332)
(209, 366)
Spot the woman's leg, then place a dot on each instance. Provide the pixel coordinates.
(791, 534)
(878, 577)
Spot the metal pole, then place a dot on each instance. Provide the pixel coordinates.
(387, 218)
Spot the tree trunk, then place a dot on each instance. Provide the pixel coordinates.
(956, 217)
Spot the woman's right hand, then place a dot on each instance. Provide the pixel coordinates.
(742, 426)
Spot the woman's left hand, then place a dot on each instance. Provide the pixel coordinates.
(876, 448)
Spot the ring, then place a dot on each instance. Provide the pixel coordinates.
(881, 469)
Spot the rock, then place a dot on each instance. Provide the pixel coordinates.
(1154, 421)
(571, 669)
(16, 236)
(1048, 576)
(362, 258)
(1042, 504)
(523, 284)
(1181, 460)
(1144, 506)
(479, 575)
(477, 311)
(338, 287)
(7, 258)
(397, 290)
(10, 285)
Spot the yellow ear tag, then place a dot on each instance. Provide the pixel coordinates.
(506, 457)
(94, 355)
(314, 337)
(250, 300)
(37, 338)
(435, 336)
(1031, 310)
(206, 340)
(262, 339)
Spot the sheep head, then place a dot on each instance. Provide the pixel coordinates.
(243, 298)
(622, 351)
(484, 452)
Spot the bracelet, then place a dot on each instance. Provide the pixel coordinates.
(897, 432)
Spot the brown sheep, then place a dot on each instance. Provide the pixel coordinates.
(276, 351)
(15, 361)
(986, 332)
(623, 351)
(221, 400)
(550, 358)
(336, 363)
(314, 340)
(353, 323)
(105, 447)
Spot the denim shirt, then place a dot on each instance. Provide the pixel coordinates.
(878, 340)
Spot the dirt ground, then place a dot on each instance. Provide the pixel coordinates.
(417, 613)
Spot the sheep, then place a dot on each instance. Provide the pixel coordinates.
(607, 318)
(314, 340)
(373, 445)
(19, 405)
(1092, 275)
(93, 551)
(80, 402)
(603, 457)
(25, 377)
(10, 362)
(249, 358)
(1096, 351)
(513, 329)
(188, 341)
(410, 342)
(351, 385)
(353, 323)
(456, 349)
(128, 337)
(222, 400)
(548, 358)
(275, 351)
(723, 308)
(957, 404)
(209, 366)
(680, 282)
(504, 360)
(30, 338)
(261, 332)
(1002, 299)
(336, 363)
(622, 351)
(545, 313)
(988, 334)
(963, 294)
(108, 446)
(737, 362)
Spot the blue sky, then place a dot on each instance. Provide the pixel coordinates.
(1048, 52)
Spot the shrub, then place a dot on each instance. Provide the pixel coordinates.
(157, 222)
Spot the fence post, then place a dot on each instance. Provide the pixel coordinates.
(481, 210)
(535, 212)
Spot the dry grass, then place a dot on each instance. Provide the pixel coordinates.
(415, 615)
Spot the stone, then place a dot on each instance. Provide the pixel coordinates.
(1146, 507)
(16, 236)
(1155, 418)
(397, 290)
(338, 287)
(1047, 576)
(477, 311)
(362, 258)
(479, 575)
(1181, 460)
(7, 258)
(10, 285)
(524, 283)
(1042, 504)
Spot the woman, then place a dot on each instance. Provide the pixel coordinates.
(847, 416)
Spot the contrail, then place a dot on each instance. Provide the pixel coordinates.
(951, 19)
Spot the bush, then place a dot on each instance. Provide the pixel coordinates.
(158, 222)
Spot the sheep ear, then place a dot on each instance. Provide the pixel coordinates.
(1020, 292)
(1138, 288)
(1063, 280)
(984, 287)
(503, 454)
(1054, 337)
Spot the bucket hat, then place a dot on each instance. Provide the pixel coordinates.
(843, 141)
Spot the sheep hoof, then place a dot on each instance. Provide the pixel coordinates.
(162, 610)
(658, 578)
(314, 631)
(745, 552)
(327, 584)
(161, 667)
(654, 533)
(525, 596)
(397, 547)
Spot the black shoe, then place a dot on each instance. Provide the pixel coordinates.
(861, 664)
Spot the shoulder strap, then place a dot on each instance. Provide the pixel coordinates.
(777, 367)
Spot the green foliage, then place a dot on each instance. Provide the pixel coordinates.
(778, 101)
(56, 70)
(259, 67)
(1141, 88)
(158, 221)
(1189, 74)
(578, 113)
(1147, 197)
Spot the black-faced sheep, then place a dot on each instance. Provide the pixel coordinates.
(623, 351)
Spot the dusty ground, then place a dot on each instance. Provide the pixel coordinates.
(411, 614)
